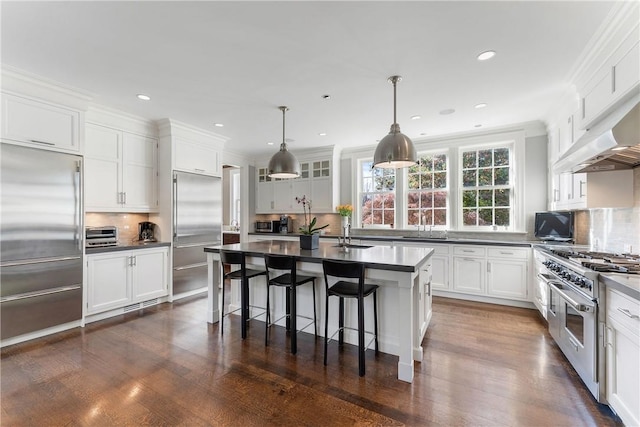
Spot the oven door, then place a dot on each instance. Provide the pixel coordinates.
(576, 331)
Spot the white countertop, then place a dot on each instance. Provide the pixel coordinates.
(629, 284)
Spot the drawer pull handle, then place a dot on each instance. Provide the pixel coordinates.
(42, 142)
(468, 250)
(627, 313)
(506, 253)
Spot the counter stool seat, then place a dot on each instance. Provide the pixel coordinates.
(290, 281)
(349, 289)
(243, 274)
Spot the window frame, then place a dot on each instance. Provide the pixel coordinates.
(405, 208)
(360, 193)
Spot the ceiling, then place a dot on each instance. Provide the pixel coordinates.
(234, 63)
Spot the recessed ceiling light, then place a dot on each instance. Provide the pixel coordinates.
(423, 133)
(477, 126)
(481, 105)
(622, 147)
(143, 97)
(269, 143)
(326, 96)
(416, 117)
(218, 125)
(322, 134)
(486, 55)
(447, 111)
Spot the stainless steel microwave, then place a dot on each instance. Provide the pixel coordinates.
(264, 227)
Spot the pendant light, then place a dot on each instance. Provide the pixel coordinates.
(396, 149)
(283, 164)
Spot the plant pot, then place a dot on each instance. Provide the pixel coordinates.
(309, 241)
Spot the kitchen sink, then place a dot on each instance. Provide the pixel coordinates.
(352, 246)
(425, 238)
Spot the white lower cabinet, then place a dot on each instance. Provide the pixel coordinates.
(469, 266)
(623, 356)
(117, 279)
(507, 270)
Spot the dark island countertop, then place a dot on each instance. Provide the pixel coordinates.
(407, 259)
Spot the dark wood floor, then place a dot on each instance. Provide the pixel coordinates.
(484, 365)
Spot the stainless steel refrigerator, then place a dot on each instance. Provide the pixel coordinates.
(197, 216)
(41, 240)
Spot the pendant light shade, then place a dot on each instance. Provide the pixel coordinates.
(395, 150)
(284, 164)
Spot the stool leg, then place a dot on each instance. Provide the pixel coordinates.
(294, 321)
(361, 337)
(326, 326)
(266, 323)
(375, 319)
(315, 326)
(244, 297)
(287, 305)
(341, 322)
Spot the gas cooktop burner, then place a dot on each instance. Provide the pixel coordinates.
(601, 261)
(608, 267)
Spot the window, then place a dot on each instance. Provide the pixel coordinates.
(427, 194)
(487, 187)
(377, 194)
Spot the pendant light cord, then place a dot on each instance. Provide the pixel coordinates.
(394, 81)
(283, 109)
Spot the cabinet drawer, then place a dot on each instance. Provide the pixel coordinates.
(469, 250)
(507, 252)
(624, 310)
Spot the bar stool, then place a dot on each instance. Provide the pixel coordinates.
(349, 289)
(243, 274)
(290, 281)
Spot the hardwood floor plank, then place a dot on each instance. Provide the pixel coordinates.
(483, 365)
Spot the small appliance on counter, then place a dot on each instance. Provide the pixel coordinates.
(286, 224)
(264, 227)
(101, 237)
(146, 231)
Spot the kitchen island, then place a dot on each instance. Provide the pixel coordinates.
(404, 301)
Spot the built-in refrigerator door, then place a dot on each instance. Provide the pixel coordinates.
(41, 204)
(197, 209)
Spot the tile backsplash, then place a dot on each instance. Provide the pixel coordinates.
(127, 223)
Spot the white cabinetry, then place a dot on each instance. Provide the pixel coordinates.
(469, 266)
(318, 181)
(196, 157)
(42, 124)
(623, 356)
(614, 82)
(507, 270)
(117, 279)
(120, 171)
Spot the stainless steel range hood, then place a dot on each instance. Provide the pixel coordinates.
(612, 144)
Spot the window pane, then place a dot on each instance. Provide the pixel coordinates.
(469, 199)
(389, 217)
(440, 199)
(427, 182)
(440, 180)
(484, 177)
(412, 217)
(502, 197)
(469, 178)
(501, 156)
(426, 200)
(502, 217)
(414, 181)
(440, 162)
(485, 198)
(469, 159)
(485, 158)
(366, 169)
(413, 199)
(389, 201)
(377, 201)
(428, 217)
(486, 217)
(440, 217)
(469, 216)
(502, 176)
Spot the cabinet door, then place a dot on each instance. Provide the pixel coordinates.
(102, 168)
(139, 172)
(579, 183)
(198, 158)
(282, 196)
(150, 274)
(597, 97)
(507, 279)
(322, 185)
(39, 123)
(440, 272)
(468, 274)
(626, 73)
(108, 281)
(623, 371)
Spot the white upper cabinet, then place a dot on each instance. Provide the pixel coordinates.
(120, 171)
(42, 124)
(193, 156)
(318, 182)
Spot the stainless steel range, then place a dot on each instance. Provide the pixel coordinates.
(575, 305)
